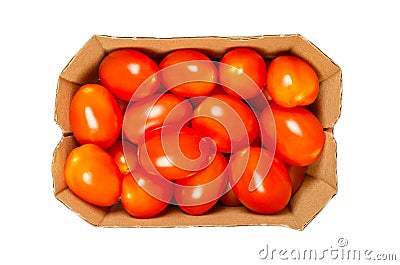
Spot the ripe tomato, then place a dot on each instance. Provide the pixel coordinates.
(144, 195)
(242, 72)
(173, 153)
(124, 154)
(292, 82)
(297, 175)
(92, 174)
(188, 73)
(95, 116)
(226, 120)
(129, 74)
(229, 198)
(154, 111)
(249, 169)
(299, 134)
(197, 194)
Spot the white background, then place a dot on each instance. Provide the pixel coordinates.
(37, 40)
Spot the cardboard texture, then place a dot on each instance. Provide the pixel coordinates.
(319, 186)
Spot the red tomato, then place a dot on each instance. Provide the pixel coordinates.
(124, 154)
(259, 185)
(229, 198)
(242, 73)
(188, 73)
(197, 194)
(226, 120)
(95, 116)
(129, 74)
(144, 195)
(92, 174)
(153, 112)
(297, 175)
(292, 82)
(173, 153)
(299, 135)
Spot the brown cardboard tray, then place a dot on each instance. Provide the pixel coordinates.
(319, 186)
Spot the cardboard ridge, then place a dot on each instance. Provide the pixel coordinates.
(319, 186)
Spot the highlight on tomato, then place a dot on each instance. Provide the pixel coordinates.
(95, 116)
(92, 174)
(129, 74)
(188, 73)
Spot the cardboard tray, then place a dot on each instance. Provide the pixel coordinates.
(319, 186)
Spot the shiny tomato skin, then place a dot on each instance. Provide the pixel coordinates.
(226, 120)
(272, 185)
(173, 153)
(124, 154)
(242, 73)
(124, 71)
(188, 73)
(95, 116)
(198, 193)
(144, 195)
(92, 174)
(154, 111)
(292, 82)
(300, 137)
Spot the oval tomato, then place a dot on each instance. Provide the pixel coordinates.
(188, 73)
(124, 154)
(242, 73)
(95, 116)
(173, 153)
(197, 194)
(292, 82)
(300, 137)
(92, 174)
(155, 111)
(260, 188)
(226, 120)
(144, 195)
(129, 74)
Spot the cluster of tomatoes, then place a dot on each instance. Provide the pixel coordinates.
(189, 131)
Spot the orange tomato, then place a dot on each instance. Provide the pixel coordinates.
(188, 73)
(197, 194)
(260, 185)
(144, 195)
(292, 82)
(129, 74)
(242, 73)
(95, 116)
(92, 174)
(299, 135)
